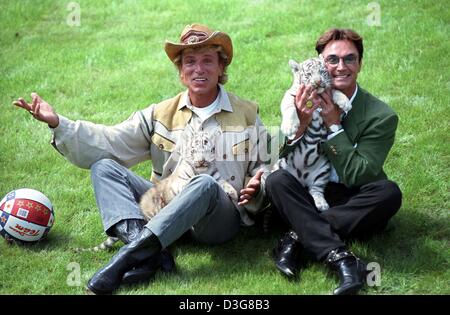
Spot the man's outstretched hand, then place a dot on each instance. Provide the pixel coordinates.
(40, 110)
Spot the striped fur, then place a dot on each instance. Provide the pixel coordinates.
(307, 162)
(105, 245)
(197, 156)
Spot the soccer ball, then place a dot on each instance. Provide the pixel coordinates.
(26, 215)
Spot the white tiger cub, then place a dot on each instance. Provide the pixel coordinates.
(197, 156)
(307, 162)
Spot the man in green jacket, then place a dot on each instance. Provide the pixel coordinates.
(361, 198)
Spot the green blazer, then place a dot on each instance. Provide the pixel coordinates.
(358, 153)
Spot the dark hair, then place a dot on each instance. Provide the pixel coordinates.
(340, 34)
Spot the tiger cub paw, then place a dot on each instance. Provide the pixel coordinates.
(341, 100)
(321, 203)
(229, 190)
(290, 124)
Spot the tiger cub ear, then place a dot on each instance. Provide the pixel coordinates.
(295, 66)
(321, 59)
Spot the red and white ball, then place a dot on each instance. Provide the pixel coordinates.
(25, 215)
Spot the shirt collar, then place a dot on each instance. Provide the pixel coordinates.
(354, 94)
(222, 98)
(352, 98)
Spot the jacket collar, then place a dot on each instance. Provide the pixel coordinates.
(357, 114)
(359, 104)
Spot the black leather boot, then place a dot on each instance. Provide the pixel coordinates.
(109, 278)
(126, 231)
(351, 271)
(285, 254)
(144, 272)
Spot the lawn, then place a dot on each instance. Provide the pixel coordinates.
(113, 63)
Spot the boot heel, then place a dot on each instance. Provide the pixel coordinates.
(350, 269)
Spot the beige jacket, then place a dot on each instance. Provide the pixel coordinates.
(153, 132)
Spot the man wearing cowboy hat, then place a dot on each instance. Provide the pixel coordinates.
(203, 208)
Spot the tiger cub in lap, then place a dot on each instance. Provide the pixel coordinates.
(307, 162)
(197, 156)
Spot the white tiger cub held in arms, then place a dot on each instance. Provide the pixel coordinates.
(307, 162)
(197, 156)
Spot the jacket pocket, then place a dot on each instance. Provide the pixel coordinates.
(242, 147)
(162, 143)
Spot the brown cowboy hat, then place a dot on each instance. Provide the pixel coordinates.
(196, 35)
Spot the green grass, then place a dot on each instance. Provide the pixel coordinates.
(114, 64)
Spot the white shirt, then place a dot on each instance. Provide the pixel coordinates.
(332, 135)
(334, 176)
(205, 112)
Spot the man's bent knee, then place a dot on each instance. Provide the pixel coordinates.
(104, 166)
(206, 183)
(387, 190)
(277, 178)
(393, 195)
(388, 194)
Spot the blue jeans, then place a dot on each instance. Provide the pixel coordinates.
(202, 207)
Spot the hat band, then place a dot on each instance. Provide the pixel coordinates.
(193, 37)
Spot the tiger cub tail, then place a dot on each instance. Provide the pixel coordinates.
(105, 245)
